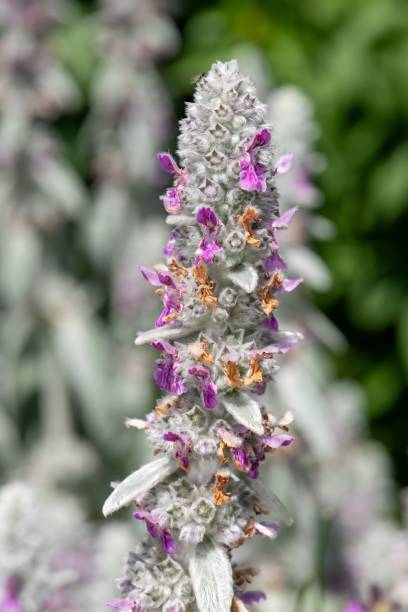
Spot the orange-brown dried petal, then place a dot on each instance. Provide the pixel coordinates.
(232, 374)
(250, 215)
(255, 374)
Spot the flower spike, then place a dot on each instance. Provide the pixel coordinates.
(219, 345)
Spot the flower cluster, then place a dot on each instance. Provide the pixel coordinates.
(219, 340)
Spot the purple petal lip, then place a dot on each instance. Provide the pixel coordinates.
(168, 543)
(241, 456)
(289, 284)
(252, 175)
(272, 323)
(199, 371)
(166, 376)
(168, 164)
(165, 346)
(283, 221)
(278, 440)
(183, 447)
(206, 216)
(260, 139)
(206, 251)
(169, 250)
(274, 262)
(251, 597)
(154, 529)
(151, 276)
(205, 384)
(171, 200)
(273, 526)
(283, 164)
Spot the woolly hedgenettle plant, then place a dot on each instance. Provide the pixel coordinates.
(219, 340)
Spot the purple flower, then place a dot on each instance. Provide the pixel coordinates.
(168, 164)
(241, 457)
(151, 520)
(208, 246)
(206, 216)
(183, 447)
(171, 199)
(206, 251)
(166, 375)
(169, 250)
(260, 388)
(272, 323)
(206, 386)
(283, 164)
(167, 541)
(260, 139)
(253, 472)
(252, 597)
(10, 601)
(153, 527)
(252, 176)
(171, 294)
(274, 262)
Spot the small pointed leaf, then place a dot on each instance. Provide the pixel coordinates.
(211, 575)
(245, 410)
(245, 277)
(138, 483)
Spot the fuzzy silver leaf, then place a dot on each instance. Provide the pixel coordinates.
(211, 575)
(245, 410)
(245, 277)
(138, 483)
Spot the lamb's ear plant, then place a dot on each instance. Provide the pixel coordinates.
(219, 341)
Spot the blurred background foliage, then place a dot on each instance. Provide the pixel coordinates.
(350, 58)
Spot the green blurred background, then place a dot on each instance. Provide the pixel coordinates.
(350, 57)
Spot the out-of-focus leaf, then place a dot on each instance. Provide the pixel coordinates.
(388, 189)
(383, 385)
(75, 44)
